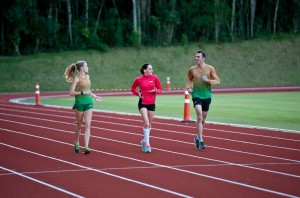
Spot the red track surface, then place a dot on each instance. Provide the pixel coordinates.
(37, 158)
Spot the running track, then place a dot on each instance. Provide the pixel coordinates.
(37, 158)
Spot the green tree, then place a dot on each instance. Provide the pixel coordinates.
(16, 23)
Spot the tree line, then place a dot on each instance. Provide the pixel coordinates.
(34, 26)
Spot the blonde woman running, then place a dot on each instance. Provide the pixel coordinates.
(80, 88)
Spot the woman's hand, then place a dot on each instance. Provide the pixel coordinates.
(140, 95)
(98, 98)
(153, 90)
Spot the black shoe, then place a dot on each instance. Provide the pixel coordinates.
(86, 151)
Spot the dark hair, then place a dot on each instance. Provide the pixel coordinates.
(145, 66)
(201, 52)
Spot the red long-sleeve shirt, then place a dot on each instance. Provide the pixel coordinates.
(146, 85)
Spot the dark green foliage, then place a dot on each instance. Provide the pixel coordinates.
(36, 26)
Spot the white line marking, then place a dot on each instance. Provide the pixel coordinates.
(209, 159)
(159, 123)
(98, 171)
(144, 167)
(41, 182)
(139, 121)
(261, 155)
(213, 137)
(155, 164)
(19, 101)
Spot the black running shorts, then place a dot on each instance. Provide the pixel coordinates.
(203, 102)
(149, 107)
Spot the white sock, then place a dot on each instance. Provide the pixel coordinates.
(147, 136)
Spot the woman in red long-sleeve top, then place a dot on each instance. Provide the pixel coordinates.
(149, 85)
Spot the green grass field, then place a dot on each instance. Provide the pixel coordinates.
(239, 64)
(259, 62)
(274, 110)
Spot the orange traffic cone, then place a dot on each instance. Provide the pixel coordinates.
(187, 111)
(37, 94)
(168, 86)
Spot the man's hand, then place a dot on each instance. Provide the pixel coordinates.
(204, 78)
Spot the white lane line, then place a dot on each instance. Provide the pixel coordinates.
(17, 100)
(183, 154)
(159, 123)
(138, 120)
(165, 166)
(142, 167)
(209, 159)
(117, 131)
(41, 182)
(213, 137)
(98, 171)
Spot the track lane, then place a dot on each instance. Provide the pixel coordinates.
(110, 143)
(183, 138)
(30, 187)
(184, 179)
(250, 145)
(89, 182)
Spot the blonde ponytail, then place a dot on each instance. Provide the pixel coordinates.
(70, 72)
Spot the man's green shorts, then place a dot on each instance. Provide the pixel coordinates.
(83, 107)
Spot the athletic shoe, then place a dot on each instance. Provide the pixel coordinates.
(199, 144)
(143, 145)
(76, 148)
(202, 145)
(86, 151)
(147, 149)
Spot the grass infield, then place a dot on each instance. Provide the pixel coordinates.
(274, 110)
